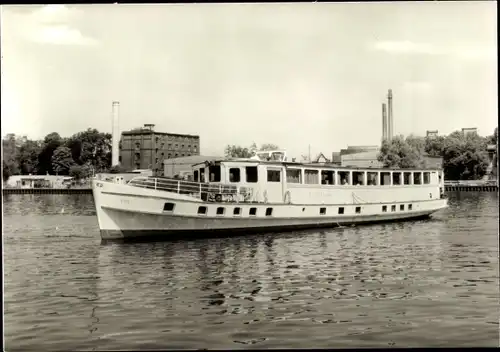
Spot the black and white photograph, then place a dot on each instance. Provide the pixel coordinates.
(245, 176)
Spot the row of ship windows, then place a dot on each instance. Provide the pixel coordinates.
(313, 177)
(202, 210)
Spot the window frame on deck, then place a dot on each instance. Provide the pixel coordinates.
(328, 177)
(396, 178)
(311, 175)
(369, 178)
(273, 175)
(347, 177)
(251, 179)
(290, 178)
(356, 178)
(236, 176)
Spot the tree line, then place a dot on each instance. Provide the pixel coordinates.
(79, 156)
(464, 155)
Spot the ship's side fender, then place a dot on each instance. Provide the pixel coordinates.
(287, 198)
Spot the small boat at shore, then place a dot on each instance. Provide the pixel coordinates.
(265, 193)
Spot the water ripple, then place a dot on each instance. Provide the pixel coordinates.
(416, 284)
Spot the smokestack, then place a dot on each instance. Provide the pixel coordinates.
(390, 122)
(384, 122)
(115, 136)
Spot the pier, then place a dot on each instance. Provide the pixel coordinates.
(46, 191)
(471, 186)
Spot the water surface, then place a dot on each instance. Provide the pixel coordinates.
(414, 284)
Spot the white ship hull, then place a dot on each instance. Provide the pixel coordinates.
(128, 212)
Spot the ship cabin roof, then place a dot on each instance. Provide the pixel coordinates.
(314, 166)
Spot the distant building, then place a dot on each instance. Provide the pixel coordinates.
(145, 148)
(466, 131)
(353, 149)
(38, 181)
(432, 134)
(181, 166)
(336, 159)
(321, 159)
(362, 159)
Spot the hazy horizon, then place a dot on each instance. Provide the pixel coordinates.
(290, 74)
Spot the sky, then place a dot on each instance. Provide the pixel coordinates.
(296, 74)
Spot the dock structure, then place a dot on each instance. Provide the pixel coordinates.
(470, 186)
(46, 191)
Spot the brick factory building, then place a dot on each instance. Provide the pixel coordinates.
(145, 148)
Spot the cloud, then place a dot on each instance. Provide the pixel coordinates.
(62, 35)
(48, 24)
(406, 47)
(466, 52)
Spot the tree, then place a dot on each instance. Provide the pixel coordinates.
(236, 151)
(402, 153)
(79, 172)
(62, 161)
(464, 156)
(92, 147)
(10, 165)
(434, 145)
(268, 146)
(51, 142)
(27, 157)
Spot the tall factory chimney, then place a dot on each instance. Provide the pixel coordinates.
(384, 122)
(390, 122)
(115, 137)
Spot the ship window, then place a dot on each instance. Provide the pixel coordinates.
(402, 207)
(253, 211)
(358, 178)
(385, 178)
(358, 210)
(344, 177)
(311, 177)
(220, 211)
(273, 175)
(202, 175)
(393, 208)
(327, 177)
(168, 207)
(234, 175)
(417, 178)
(341, 210)
(410, 206)
(427, 178)
(396, 178)
(372, 178)
(293, 176)
(322, 211)
(237, 211)
(202, 210)
(269, 211)
(214, 171)
(384, 208)
(196, 176)
(251, 172)
(407, 178)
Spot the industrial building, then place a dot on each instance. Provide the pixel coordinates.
(182, 166)
(145, 148)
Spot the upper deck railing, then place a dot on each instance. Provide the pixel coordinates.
(204, 191)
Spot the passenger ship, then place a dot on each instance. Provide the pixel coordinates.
(262, 194)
